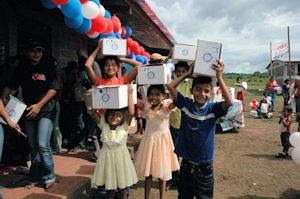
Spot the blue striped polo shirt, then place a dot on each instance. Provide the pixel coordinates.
(195, 140)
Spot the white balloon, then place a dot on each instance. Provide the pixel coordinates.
(101, 10)
(296, 155)
(59, 6)
(94, 35)
(120, 31)
(90, 10)
(250, 104)
(295, 139)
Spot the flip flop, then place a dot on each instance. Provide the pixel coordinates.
(30, 185)
(49, 186)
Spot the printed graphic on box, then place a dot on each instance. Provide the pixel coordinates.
(15, 109)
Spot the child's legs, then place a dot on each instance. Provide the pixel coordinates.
(123, 193)
(185, 184)
(110, 194)
(148, 183)
(285, 141)
(162, 188)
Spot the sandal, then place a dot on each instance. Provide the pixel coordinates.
(30, 185)
(49, 186)
(280, 155)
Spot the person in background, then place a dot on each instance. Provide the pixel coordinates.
(295, 94)
(240, 91)
(286, 92)
(271, 89)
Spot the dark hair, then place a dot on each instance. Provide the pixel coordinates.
(238, 78)
(102, 62)
(265, 93)
(123, 110)
(289, 109)
(286, 80)
(201, 80)
(160, 87)
(183, 65)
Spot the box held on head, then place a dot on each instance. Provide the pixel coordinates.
(207, 53)
(153, 74)
(15, 109)
(114, 47)
(183, 52)
(112, 97)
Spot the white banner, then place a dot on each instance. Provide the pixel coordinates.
(280, 50)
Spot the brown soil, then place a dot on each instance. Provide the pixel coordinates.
(245, 165)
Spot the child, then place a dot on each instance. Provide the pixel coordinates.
(155, 156)
(195, 142)
(114, 167)
(286, 91)
(285, 122)
(264, 106)
(240, 93)
(110, 66)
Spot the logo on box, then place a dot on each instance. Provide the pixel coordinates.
(105, 98)
(114, 46)
(207, 57)
(11, 113)
(151, 75)
(185, 52)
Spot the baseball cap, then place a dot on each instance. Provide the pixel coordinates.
(33, 45)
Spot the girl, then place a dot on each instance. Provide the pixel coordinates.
(155, 156)
(114, 167)
(110, 66)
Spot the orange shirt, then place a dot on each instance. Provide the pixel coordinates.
(111, 81)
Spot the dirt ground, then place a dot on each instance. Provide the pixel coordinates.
(245, 166)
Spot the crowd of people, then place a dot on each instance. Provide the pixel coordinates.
(174, 125)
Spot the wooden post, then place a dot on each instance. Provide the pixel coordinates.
(289, 66)
(271, 63)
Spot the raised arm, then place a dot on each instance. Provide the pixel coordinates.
(90, 61)
(228, 99)
(5, 116)
(130, 105)
(135, 64)
(172, 86)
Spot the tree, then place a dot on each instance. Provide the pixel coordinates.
(256, 74)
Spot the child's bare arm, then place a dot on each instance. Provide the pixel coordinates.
(90, 61)
(135, 64)
(286, 121)
(130, 105)
(96, 115)
(228, 99)
(172, 85)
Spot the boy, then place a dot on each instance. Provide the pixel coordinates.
(184, 88)
(195, 142)
(286, 92)
(285, 122)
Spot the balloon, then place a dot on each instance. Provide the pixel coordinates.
(251, 104)
(60, 2)
(139, 58)
(83, 1)
(123, 32)
(253, 107)
(134, 46)
(295, 139)
(128, 32)
(128, 51)
(129, 42)
(146, 60)
(118, 35)
(296, 155)
(48, 4)
(147, 55)
(72, 9)
(85, 26)
(99, 24)
(90, 10)
(93, 35)
(116, 22)
(120, 31)
(142, 49)
(109, 27)
(254, 101)
(137, 51)
(111, 34)
(107, 14)
(97, 2)
(131, 55)
(74, 22)
(101, 10)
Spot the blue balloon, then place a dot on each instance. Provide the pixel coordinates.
(111, 34)
(118, 35)
(85, 26)
(128, 32)
(107, 14)
(131, 55)
(71, 9)
(145, 59)
(97, 2)
(139, 58)
(48, 4)
(74, 22)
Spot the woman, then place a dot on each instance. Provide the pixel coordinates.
(271, 88)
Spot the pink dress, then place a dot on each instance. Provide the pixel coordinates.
(155, 154)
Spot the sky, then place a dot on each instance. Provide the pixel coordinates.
(244, 27)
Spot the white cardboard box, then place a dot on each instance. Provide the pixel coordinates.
(151, 75)
(112, 97)
(116, 47)
(207, 53)
(217, 93)
(15, 109)
(182, 52)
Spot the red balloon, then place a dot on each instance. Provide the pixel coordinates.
(123, 31)
(253, 107)
(60, 2)
(116, 22)
(147, 55)
(142, 49)
(90, 32)
(137, 51)
(129, 42)
(83, 1)
(99, 24)
(254, 101)
(109, 28)
(135, 45)
(128, 52)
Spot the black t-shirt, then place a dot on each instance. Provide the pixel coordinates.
(35, 82)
